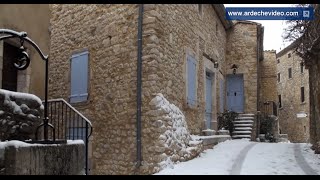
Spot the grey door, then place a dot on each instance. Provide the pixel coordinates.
(208, 99)
(235, 96)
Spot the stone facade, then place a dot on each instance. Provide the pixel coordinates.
(314, 93)
(170, 34)
(290, 91)
(268, 77)
(244, 50)
(33, 19)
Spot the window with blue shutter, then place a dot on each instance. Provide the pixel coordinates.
(79, 77)
(191, 78)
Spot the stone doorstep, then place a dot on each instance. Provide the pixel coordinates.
(244, 118)
(243, 125)
(215, 139)
(243, 121)
(246, 115)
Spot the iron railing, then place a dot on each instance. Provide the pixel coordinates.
(69, 124)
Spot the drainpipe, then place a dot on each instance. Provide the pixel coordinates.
(139, 86)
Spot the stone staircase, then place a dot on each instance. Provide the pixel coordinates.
(243, 125)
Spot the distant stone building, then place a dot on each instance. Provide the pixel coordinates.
(268, 77)
(33, 19)
(201, 64)
(293, 95)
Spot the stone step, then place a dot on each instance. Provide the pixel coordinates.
(243, 125)
(244, 118)
(243, 121)
(246, 115)
(243, 128)
(241, 132)
(241, 136)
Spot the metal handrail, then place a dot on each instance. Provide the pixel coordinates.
(69, 105)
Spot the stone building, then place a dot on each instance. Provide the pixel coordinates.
(293, 95)
(268, 77)
(195, 64)
(33, 19)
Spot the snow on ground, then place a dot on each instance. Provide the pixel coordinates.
(259, 158)
(218, 160)
(271, 158)
(312, 159)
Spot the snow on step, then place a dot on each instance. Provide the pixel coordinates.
(244, 118)
(246, 115)
(243, 121)
(242, 132)
(243, 125)
(241, 136)
(243, 128)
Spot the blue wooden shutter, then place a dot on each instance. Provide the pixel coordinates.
(79, 77)
(192, 65)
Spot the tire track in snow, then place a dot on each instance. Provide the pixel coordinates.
(302, 162)
(236, 167)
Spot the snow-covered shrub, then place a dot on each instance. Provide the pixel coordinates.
(20, 115)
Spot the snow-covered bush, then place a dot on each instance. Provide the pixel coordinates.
(20, 115)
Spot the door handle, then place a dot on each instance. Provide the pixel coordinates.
(235, 93)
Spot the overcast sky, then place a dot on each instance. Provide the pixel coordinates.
(273, 29)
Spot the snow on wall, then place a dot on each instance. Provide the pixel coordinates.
(173, 143)
(20, 114)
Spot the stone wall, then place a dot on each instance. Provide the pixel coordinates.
(33, 19)
(242, 51)
(183, 30)
(109, 33)
(170, 140)
(314, 93)
(19, 158)
(20, 115)
(268, 77)
(290, 91)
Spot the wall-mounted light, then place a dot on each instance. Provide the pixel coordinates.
(215, 64)
(234, 67)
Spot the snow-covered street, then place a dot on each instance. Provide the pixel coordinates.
(245, 157)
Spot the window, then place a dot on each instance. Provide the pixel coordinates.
(289, 55)
(278, 61)
(290, 72)
(279, 99)
(301, 67)
(278, 77)
(79, 77)
(302, 94)
(191, 81)
(200, 9)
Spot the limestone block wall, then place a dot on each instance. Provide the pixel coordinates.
(314, 94)
(170, 141)
(19, 158)
(181, 30)
(109, 33)
(268, 77)
(241, 47)
(290, 91)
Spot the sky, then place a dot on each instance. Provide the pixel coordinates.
(273, 29)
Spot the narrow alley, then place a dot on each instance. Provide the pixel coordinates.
(243, 157)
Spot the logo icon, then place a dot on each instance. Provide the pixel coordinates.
(306, 14)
